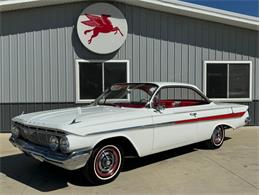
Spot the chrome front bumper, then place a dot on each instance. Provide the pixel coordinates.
(72, 161)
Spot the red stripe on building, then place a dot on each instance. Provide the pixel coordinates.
(216, 117)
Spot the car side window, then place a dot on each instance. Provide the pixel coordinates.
(171, 97)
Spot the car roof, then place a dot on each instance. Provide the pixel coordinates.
(162, 84)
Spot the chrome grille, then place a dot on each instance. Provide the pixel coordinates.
(36, 135)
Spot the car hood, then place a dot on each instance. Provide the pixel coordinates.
(78, 120)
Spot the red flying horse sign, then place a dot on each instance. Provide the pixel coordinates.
(102, 28)
(101, 24)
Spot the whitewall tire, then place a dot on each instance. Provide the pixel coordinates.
(104, 164)
(217, 138)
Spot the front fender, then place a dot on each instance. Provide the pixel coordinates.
(117, 135)
(140, 138)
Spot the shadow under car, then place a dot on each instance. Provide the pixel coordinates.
(45, 177)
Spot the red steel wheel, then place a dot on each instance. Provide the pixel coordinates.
(104, 164)
(217, 138)
(107, 162)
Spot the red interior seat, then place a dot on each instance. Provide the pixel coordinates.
(167, 103)
(188, 103)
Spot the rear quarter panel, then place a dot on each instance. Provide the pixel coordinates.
(236, 118)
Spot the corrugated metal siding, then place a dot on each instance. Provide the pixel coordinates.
(39, 47)
(37, 55)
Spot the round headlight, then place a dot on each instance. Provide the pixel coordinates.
(15, 131)
(64, 144)
(53, 143)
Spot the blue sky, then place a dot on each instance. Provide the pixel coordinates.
(247, 7)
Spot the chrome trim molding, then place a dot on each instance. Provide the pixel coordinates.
(72, 161)
(36, 135)
(143, 126)
(41, 128)
(133, 128)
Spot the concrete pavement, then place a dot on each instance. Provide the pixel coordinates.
(232, 169)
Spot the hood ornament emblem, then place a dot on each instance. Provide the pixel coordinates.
(74, 121)
(79, 112)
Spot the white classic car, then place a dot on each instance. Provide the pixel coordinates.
(129, 119)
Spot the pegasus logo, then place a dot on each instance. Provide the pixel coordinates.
(101, 24)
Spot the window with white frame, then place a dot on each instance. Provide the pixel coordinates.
(93, 77)
(228, 80)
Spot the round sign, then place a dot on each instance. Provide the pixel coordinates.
(102, 28)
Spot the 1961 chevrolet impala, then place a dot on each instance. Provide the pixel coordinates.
(129, 119)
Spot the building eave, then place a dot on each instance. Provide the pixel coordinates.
(10, 5)
(199, 12)
(170, 6)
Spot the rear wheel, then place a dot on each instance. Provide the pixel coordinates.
(217, 138)
(104, 164)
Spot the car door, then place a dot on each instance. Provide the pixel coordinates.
(175, 109)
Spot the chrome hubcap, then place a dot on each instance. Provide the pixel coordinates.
(107, 162)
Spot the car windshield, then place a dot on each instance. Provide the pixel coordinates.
(130, 95)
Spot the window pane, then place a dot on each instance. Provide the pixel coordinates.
(90, 78)
(179, 93)
(239, 80)
(139, 95)
(171, 97)
(114, 73)
(217, 80)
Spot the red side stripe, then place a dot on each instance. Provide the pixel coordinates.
(216, 117)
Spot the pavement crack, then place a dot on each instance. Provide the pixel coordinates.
(233, 173)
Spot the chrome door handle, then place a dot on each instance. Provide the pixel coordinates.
(193, 114)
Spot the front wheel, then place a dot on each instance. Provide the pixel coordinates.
(104, 164)
(217, 138)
